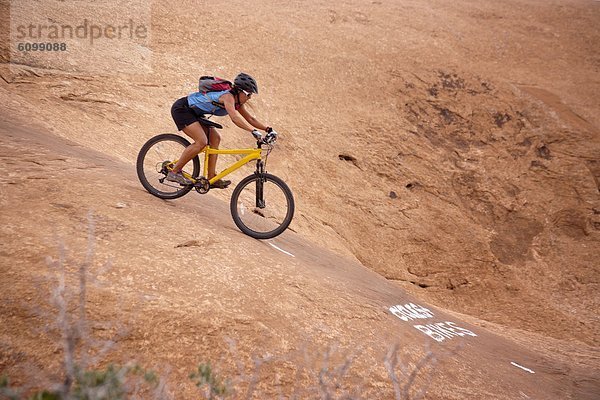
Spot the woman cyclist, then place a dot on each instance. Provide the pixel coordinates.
(187, 110)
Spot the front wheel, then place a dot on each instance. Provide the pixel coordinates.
(262, 206)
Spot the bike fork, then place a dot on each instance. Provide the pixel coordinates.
(260, 200)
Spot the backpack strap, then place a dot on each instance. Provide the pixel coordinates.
(220, 105)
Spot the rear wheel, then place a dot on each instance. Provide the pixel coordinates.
(156, 158)
(262, 206)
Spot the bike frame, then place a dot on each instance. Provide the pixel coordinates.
(251, 154)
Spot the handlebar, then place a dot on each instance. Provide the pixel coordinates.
(269, 138)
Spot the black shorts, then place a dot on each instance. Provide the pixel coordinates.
(183, 114)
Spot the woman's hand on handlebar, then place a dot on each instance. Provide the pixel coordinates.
(270, 138)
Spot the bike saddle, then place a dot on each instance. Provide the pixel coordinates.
(206, 122)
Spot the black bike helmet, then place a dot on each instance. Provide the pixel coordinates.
(246, 82)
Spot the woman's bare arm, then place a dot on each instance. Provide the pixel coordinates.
(251, 119)
(236, 118)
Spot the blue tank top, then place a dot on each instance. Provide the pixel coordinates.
(204, 102)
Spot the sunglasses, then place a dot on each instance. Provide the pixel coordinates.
(248, 94)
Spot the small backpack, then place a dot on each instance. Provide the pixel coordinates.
(213, 84)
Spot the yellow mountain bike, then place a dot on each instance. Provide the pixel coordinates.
(262, 205)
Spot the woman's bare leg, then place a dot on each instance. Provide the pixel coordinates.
(215, 140)
(197, 133)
